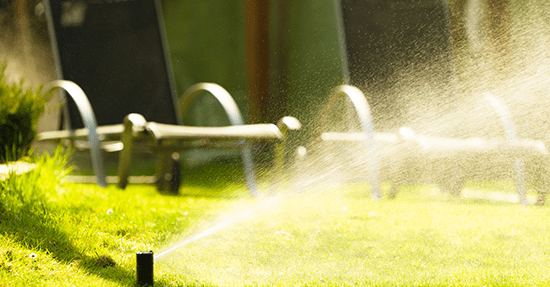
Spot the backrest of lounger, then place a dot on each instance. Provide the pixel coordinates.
(115, 51)
(386, 41)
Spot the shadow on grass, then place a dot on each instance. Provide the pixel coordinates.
(221, 178)
(471, 196)
(38, 230)
(482, 201)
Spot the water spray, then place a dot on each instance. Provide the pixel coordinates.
(511, 135)
(144, 268)
(145, 259)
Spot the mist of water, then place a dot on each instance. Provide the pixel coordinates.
(523, 87)
(227, 220)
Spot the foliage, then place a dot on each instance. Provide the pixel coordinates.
(31, 192)
(20, 111)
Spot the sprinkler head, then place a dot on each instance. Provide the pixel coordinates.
(144, 268)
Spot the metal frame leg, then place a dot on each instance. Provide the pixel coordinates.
(133, 123)
(88, 117)
(168, 172)
(235, 118)
(285, 125)
(362, 109)
(511, 135)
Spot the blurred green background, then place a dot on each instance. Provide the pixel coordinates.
(207, 44)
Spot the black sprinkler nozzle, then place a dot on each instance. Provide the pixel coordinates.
(144, 268)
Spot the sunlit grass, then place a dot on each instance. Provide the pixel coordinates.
(342, 237)
(82, 235)
(63, 234)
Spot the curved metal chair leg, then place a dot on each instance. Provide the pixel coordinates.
(511, 135)
(235, 118)
(176, 178)
(168, 172)
(363, 113)
(87, 114)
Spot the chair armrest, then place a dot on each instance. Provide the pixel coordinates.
(239, 132)
(235, 118)
(102, 132)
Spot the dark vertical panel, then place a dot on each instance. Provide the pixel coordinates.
(498, 20)
(257, 58)
(279, 61)
(313, 66)
(390, 42)
(115, 51)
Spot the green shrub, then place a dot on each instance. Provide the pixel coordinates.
(34, 190)
(20, 110)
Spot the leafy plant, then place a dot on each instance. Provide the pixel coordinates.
(20, 110)
(33, 191)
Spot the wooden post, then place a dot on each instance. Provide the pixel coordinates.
(257, 58)
(278, 64)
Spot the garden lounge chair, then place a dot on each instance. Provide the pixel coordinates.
(388, 43)
(403, 158)
(111, 57)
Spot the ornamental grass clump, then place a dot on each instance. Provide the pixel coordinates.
(20, 110)
(35, 190)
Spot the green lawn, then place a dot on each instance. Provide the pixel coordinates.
(342, 237)
(80, 235)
